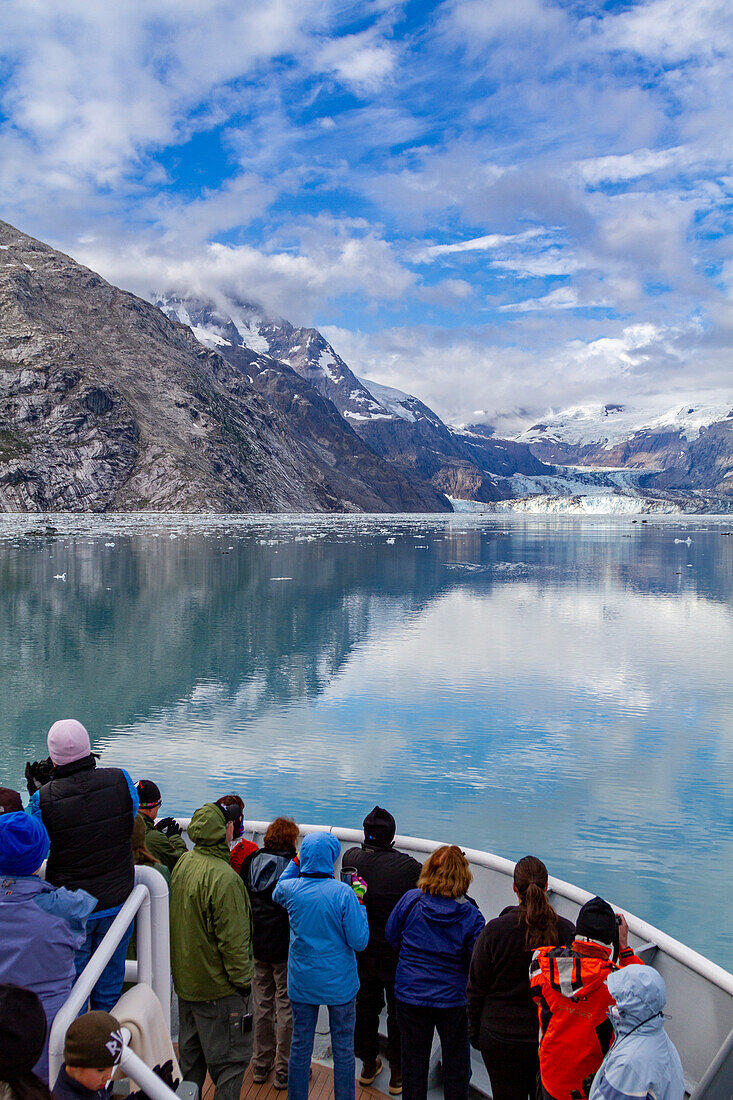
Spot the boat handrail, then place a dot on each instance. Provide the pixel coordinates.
(140, 1072)
(149, 902)
(647, 933)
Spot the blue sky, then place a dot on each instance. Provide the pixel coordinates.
(504, 206)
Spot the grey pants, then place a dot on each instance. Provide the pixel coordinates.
(273, 1018)
(211, 1038)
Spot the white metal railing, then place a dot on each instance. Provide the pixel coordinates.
(647, 933)
(144, 1077)
(700, 993)
(149, 903)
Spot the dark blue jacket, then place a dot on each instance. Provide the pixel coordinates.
(434, 937)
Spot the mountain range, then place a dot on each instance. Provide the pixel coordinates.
(111, 402)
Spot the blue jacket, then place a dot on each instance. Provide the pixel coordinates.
(41, 929)
(327, 925)
(434, 937)
(643, 1063)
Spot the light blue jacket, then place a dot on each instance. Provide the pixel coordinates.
(41, 928)
(643, 1063)
(327, 925)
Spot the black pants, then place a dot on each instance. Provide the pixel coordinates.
(417, 1024)
(513, 1068)
(369, 1004)
(211, 1037)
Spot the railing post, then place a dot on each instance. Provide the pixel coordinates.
(89, 977)
(153, 938)
(142, 1074)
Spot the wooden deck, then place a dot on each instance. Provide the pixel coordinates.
(321, 1087)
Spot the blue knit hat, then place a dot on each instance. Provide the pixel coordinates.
(24, 844)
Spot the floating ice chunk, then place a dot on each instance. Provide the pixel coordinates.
(59, 577)
(109, 544)
(390, 542)
(684, 542)
(172, 536)
(281, 578)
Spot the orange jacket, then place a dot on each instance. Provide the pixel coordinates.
(568, 985)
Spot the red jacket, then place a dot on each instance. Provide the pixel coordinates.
(568, 985)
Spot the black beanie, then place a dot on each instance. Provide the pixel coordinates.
(597, 921)
(22, 1031)
(379, 828)
(148, 793)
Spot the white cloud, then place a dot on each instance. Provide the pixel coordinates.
(486, 243)
(360, 61)
(329, 257)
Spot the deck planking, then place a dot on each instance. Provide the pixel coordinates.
(321, 1088)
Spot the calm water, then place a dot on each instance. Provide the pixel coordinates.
(545, 685)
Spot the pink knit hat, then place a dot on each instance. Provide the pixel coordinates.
(68, 741)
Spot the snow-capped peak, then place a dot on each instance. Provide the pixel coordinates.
(613, 423)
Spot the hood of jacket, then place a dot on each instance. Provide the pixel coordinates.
(640, 995)
(574, 975)
(443, 911)
(208, 831)
(318, 854)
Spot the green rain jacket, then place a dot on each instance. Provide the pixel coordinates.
(211, 926)
(167, 850)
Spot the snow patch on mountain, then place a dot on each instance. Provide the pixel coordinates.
(395, 402)
(611, 424)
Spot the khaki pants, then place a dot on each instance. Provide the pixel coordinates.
(271, 1006)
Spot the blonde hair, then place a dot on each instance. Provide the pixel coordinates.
(445, 872)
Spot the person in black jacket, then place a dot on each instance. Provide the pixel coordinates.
(270, 941)
(501, 1013)
(388, 874)
(89, 814)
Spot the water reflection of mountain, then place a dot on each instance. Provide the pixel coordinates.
(137, 626)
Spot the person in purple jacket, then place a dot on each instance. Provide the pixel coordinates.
(41, 927)
(434, 929)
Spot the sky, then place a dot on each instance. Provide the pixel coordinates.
(506, 207)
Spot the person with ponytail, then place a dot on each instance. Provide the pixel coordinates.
(501, 1013)
(22, 1039)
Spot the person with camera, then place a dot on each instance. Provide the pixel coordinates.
(163, 839)
(569, 987)
(89, 814)
(211, 955)
(388, 874)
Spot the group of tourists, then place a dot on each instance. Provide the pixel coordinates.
(261, 937)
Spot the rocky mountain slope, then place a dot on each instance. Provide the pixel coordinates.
(106, 404)
(395, 426)
(686, 449)
(345, 459)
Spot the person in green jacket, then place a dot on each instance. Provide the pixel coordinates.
(164, 840)
(211, 957)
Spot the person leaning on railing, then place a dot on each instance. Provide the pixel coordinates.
(388, 874)
(273, 1015)
(89, 813)
(502, 1017)
(163, 839)
(211, 956)
(434, 929)
(41, 927)
(328, 924)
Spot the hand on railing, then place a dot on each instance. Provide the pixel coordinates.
(165, 1072)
